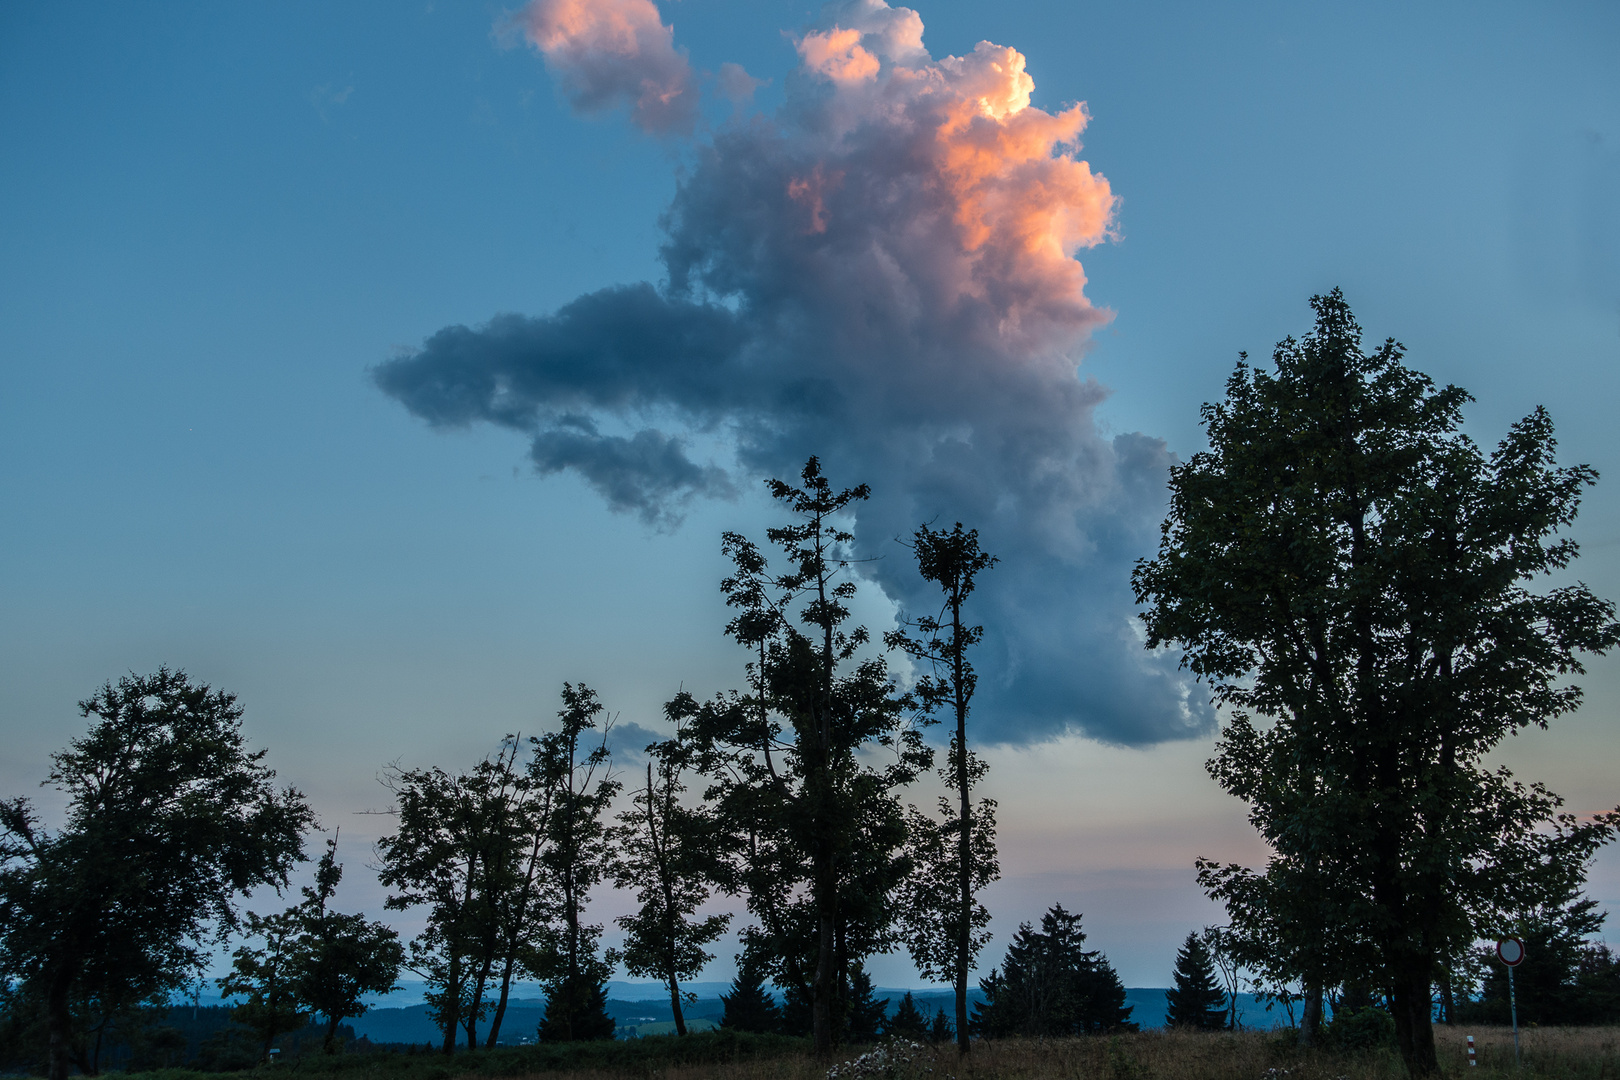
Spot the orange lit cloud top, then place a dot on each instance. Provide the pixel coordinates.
(610, 52)
(990, 202)
(882, 272)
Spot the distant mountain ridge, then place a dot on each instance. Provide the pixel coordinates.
(410, 1024)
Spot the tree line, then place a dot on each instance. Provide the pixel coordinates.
(1344, 569)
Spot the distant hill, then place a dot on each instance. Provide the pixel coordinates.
(647, 1014)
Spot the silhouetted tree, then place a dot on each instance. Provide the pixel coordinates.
(954, 858)
(169, 817)
(940, 1031)
(817, 831)
(908, 1021)
(749, 1007)
(1548, 984)
(866, 1011)
(668, 853)
(339, 959)
(1196, 1000)
(434, 857)
(1049, 985)
(267, 979)
(578, 786)
(1346, 569)
(576, 1011)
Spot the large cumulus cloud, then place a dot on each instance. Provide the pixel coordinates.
(884, 274)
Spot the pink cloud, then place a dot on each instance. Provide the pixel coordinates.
(605, 53)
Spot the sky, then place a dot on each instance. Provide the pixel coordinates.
(390, 364)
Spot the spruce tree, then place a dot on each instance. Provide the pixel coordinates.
(1050, 985)
(865, 1011)
(940, 1031)
(1197, 1001)
(749, 1006)
(908, 1022)
(576, 1010)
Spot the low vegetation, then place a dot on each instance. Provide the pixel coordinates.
(1566, 1053)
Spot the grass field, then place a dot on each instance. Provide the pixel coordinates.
(1565, 1053)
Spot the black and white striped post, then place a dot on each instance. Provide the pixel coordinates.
(1511, 952)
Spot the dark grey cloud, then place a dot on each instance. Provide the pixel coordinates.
(882, 274)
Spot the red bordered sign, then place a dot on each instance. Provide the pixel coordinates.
(1510, 951)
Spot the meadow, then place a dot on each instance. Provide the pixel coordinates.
(1591, 1053)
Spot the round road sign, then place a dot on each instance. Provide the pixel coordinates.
(1511, 950)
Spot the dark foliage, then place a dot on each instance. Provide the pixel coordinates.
(941, 1031)
(669, 853)
(908, 1021)
(953, 855)
(805, 768)
(1049, 985)
(749, 1007)
(1564, 979)
(170, 817)
(865, 1012)
(1359, 1030)
(1197, 1001)
(576, 1011)
(1349, 573)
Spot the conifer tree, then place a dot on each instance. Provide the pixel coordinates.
(908, 1021)
(576, 1011)
(1197, 1001)
(866, 1012)
(940, 1031)
(1050, 985)
(749, 1006)
(816, 824)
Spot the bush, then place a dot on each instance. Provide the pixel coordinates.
(1360, 1030)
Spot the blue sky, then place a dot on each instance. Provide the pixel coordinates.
(216, 222)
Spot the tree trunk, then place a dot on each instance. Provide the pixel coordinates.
(500, 1006)
(1414, 1026)
(59, 1023)
(328, 1045)
(821, 1026)
(452, 992)
(1310, 1019)
(675, 1004)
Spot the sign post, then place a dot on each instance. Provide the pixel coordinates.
(1511, 952)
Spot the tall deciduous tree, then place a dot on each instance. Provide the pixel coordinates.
(668, 853)
(819, 830)
(575, 780)
(1348, 572)
(170, 817)
(434, 858)
(954, 857)
(265, 978)
(338, 959)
